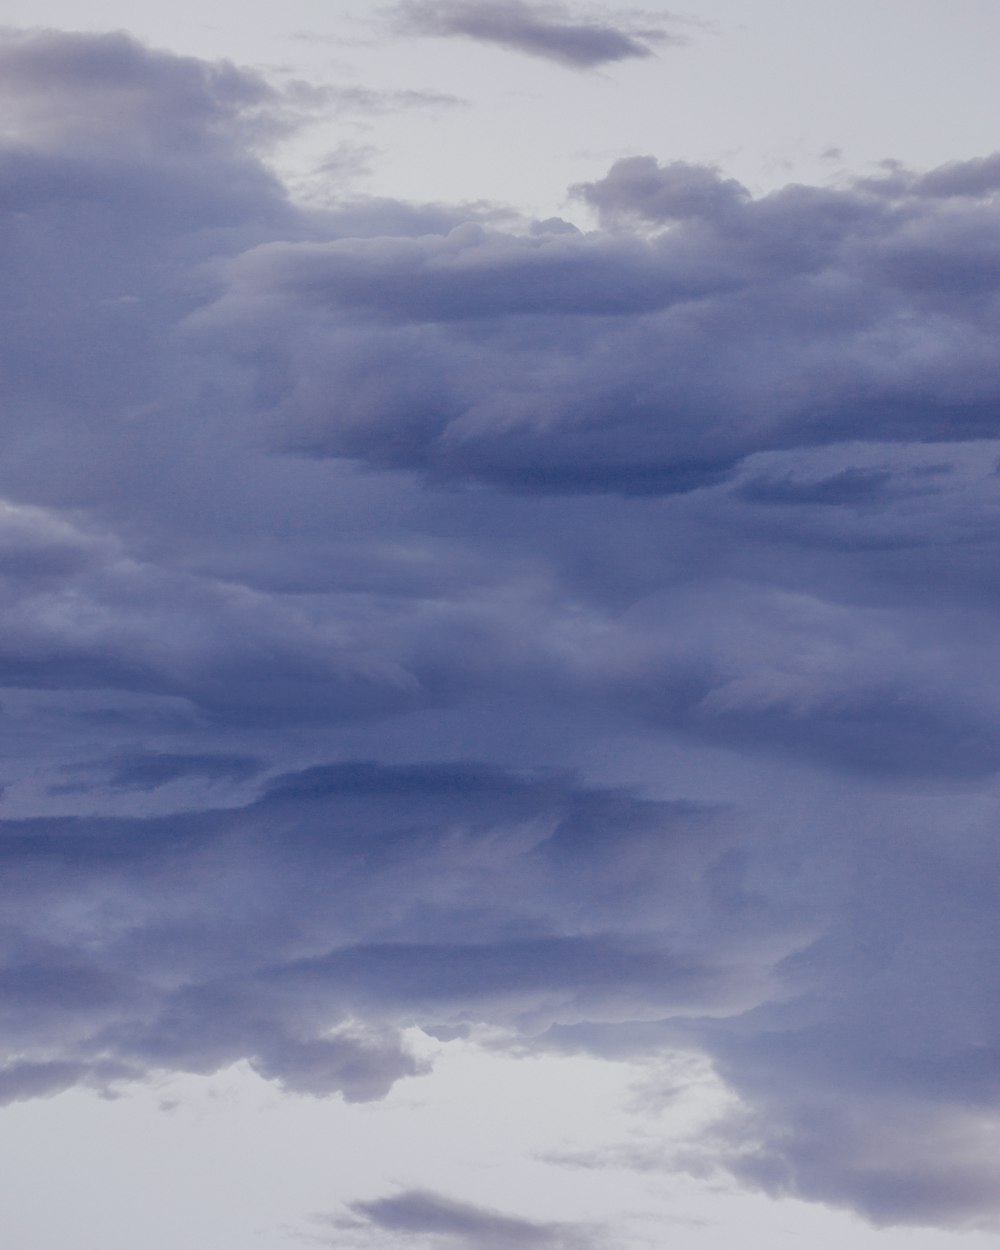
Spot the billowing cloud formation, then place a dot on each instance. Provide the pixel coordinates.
(622, 362)
(269, 931)
(685, 527)
(543, 30)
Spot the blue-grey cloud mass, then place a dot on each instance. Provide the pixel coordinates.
(412, 615)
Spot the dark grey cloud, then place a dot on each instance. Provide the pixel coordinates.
(142, 629)
(423, 1212)
(685, 526)
(301, 931)
(621, 362)
(550, 31)
(638, 188)
(923, 1159)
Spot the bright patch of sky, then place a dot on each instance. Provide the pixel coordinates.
(229, 1162)
(771, 91)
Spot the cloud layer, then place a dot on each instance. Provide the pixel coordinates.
(415, 616)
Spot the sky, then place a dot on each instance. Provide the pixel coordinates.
(499, 516)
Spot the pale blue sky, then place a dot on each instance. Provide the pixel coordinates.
(770, 90)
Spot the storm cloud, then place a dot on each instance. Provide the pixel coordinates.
(627, 362)
(418, 616)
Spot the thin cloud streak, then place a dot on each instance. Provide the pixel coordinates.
(424, 1213)
(541, 30)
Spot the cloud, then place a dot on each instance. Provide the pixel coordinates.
(685, 526)
(639, 189)
(302, 931)
(655, 363)
(149, 770)
(900, 1165)
(542, 30)
(115, 623)
(59, 88)
(420, 1212)
(367, 100)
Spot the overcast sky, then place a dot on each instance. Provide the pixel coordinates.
(499, 514)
